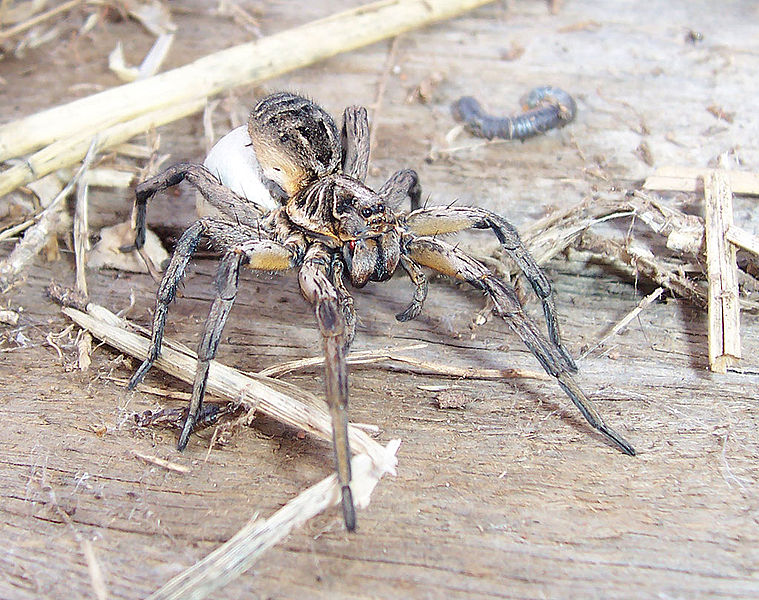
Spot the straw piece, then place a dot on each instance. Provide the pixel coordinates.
(688, 179)
(425, 367)
(38, 234)
(108, 178)
(240, 65)
(354, 358)
(81, 237)
(411, 364)
(37, 19)
(162, 462)
(625, 321)
(72, 148)
(722, 274)
(743, 239)
(260, 393)
(240, 553)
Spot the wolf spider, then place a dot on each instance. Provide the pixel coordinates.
(330, 225)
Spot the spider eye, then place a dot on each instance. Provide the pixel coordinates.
(380, 208)
(366, 212)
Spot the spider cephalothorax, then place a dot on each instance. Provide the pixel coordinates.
(339, 208)
(329, 224)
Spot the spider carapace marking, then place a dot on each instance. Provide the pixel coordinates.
(330, 225)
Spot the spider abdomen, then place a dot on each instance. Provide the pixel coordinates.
(295, 140)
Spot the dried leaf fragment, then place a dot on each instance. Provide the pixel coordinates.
(107, 252)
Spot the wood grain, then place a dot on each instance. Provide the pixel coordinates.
(511, 496)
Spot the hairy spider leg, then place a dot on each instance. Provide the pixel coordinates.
(446, 259)
(346, 300)
(239, 209)
(419, 279)
(451, 219)
(355, 161)
(318, 289)
(401, 185)
(236, 241)
(226, 291)
(355, 142)
(167, 290)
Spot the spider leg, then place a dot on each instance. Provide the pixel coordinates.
(401, 185)
(242, 248)
(419, 279)
(451, 219)
(355, 161)
(257, 254)
(450, 261)
(346, 300)
(167, 289)
(239, 209)
(355, 142)
(318, 289)
(226, 292)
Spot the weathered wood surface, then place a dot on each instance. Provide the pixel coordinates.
(509, 497)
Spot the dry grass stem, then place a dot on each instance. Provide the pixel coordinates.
(354, 358)
(70, 149)
(161, 462)
(722, 274)
(108, 178)
(625, 321)
(93, 567)
(240, 553)
(640, 262)
(263, 394)
(133, 150)
(688, 179)
(424, 367)
(552, 241)
(37, 235)
(14, 230)
(37, 19)
(411, 364)
(240, 65)
(81, 237)
(743, 239)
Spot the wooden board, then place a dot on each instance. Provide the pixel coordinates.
(511, 496)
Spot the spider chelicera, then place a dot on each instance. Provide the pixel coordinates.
(331, 226)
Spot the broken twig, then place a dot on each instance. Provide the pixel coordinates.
(37, 235)
(625, 321)
(240, 553)
(722, 274)
(267, 396)
(688, 179)
(162, 462)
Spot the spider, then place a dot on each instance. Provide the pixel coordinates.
(332, 227)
